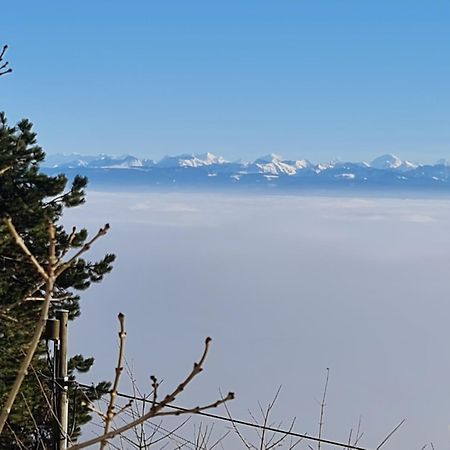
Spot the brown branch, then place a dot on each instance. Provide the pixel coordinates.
(198, 409)
(155, 386)
(64, 266)
(16, 438)
(142, 441)
(158, 409)
(61, 268)
(50, 280)
(20, 242)
(110, 414)
(5, 169)
(5, 316)
(41, 299)
(194, 372)
(69, 242)
(91, 407)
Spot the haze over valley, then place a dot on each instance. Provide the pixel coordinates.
(286, 286)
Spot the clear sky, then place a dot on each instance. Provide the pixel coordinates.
(313, 79)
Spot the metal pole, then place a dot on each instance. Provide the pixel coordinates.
(51, 333)
(63, 401)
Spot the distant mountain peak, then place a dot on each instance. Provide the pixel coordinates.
(191, 160)
(207, 169)
(389, 161)
(271, 157)
(210, 158)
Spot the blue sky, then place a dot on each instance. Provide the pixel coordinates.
(308, 79)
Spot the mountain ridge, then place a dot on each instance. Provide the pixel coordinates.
(208, 170)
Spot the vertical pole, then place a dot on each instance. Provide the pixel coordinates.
(63, 401)
(55, 391)
(51, 334)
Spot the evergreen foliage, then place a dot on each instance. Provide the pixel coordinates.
(31, 199)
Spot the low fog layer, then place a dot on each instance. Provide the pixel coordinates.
(286, 287)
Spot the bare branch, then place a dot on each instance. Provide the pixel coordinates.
(49, 275)
(158, 409)
(322, 409)
(50, 280)
(16, 438)
(5, 169)
(38, 433)
(110, 414)
(20, 242)
(3, 66)
(248, 445)
(69, 242)
(64, 266)
(390, 434)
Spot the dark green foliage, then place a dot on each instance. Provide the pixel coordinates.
(31, 199)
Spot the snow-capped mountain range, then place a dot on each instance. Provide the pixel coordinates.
(272, 171)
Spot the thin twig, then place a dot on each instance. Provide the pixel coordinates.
(5, 169)
(64, 266)
(390, 434)
(322, 409)
(3, 66)
(16, 438)
(110, 413)
(248, 445)
(38, 433)
(158, 410)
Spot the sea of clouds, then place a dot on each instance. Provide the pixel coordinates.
(286, 287)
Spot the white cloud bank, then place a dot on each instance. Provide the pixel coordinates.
(286, 286)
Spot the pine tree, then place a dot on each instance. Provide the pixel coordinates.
(31, 199)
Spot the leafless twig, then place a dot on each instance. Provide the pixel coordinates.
(4, 69)
(110, 413)
(265, 441)
(322, 408)
(158, 408)
(390, 434)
